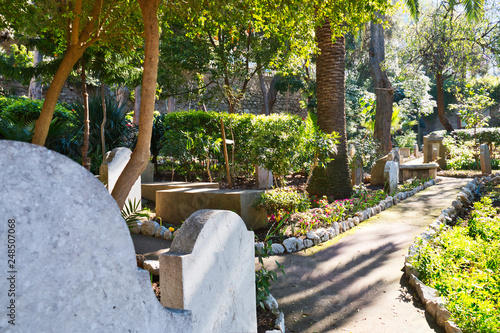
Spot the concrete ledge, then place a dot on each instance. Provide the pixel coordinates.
(149, 189)
(177, 204)
(424, 170)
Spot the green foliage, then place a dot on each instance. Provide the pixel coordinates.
(460, 154)
(131, 212)
(471, 105)
(274, 201)
(407, 139)
(463, 264)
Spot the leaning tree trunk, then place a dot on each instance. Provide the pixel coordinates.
(383, 90)
(440, 102)
(334, 180)
(272, 94)
(86, 120)
(265, 100)
(42, 124)
(140, 156)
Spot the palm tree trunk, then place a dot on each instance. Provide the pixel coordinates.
(383, 90)
(334, 180)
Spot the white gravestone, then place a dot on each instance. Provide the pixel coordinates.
(75, 268)
(391, 177)
(112, 167)
(210, 270)
(484, 152)
(264, 178)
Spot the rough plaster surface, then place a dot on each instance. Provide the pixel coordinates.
(112, 167)
(210, 270)
(73, 274)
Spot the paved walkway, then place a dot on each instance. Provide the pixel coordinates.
(355, 283)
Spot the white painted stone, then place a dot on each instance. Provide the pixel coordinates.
(259, 248)
(312, 235)
(325, 237)
(300, 244)
(270, 303)
(264, 178)
(160, 232)
(350, 223)
(80, 260)
(336, 226)
(149, 228)
(442, 316)
(451, 327)
(433, 305)
(152, 266)
(320, 232)
(135, 227)
(331, 232)
(391, 175)
(112, 167)
(308, 243)
(167, 235)
(290, 244)
(280, 322)
(277, 248)
(210, 270)
(355, 220)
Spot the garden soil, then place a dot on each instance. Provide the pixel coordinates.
(354, 283)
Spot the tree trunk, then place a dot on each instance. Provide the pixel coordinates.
(137, 105)
(35, 89)
(140, 156)
(265, 100)
(123, 96)
(42, 124)
(383, 90)
(86, 120)
(440, 102)
(334, 180)
(103, 124)
(272, 94)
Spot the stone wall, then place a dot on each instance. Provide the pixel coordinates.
(253, 102)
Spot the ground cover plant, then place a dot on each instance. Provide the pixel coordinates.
(463, 265)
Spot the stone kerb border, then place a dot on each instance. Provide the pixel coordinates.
(321, 235)
(292, 244)
(434, 304)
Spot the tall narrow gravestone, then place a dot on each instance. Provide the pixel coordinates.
(112, 167)
(484, 152)
(391, 175)
(72, 265)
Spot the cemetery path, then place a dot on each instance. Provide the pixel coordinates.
(354, 283)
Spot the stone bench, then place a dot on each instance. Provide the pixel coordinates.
(423, 170)
(149, 189)
(177, 204)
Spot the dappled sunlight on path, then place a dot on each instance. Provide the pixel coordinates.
(355, 284)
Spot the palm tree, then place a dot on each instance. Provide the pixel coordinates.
(334, 180)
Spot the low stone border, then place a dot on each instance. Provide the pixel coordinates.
(434, 304)
(292, 244)
(272, 305)
(318, 236)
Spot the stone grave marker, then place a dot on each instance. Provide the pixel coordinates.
(214, 278)
(391, 175)
(111, 168)
(431, 142)
(264, 178)
(75, 268)
(415, 150)
(485, 159)
(148, 174)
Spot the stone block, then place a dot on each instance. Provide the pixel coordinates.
(149, 189)
(74, 273)
(391, 177)
(405, 152)
(176, 205)
(484, 154)
(210, 271)
(377, 173)
(434, 142)
(264, 178)
(148, 175)
(423, 170)
(112, 167)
